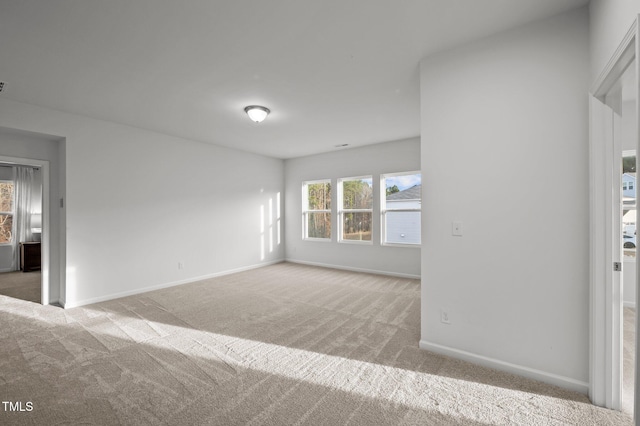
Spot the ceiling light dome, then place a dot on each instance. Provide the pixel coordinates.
(257, 113)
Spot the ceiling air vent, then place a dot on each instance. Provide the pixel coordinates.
(2, 84)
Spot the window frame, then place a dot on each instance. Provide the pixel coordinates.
(384, 210)
(11, 213)
(306, 210)
(341, 211)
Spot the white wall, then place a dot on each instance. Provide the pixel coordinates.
(390, 157)
(6, 173)
(42, 146)
(139, 202)
(505, 151)
(610, 20)
(629, 282)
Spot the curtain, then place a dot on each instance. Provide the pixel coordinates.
(23, 178)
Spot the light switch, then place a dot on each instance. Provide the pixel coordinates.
(456, 229)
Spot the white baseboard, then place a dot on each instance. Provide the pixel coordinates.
(76, 303)
(348, 268)
(539, 375)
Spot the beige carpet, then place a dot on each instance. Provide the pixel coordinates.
(285, 344)
(629, 359)
(21, 285)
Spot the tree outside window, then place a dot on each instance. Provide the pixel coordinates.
(356, 210)
(6, 211)
(316, 209)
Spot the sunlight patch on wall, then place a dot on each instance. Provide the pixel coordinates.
(270, 225)
(71, 294)
(278, 235)
(262, 241)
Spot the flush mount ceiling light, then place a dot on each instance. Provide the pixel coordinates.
(257, 113)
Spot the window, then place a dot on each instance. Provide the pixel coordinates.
(316, 210)
(6, 212)
(400, 208)
(355, 208)
(629, 234)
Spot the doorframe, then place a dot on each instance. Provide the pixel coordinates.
(46, 212)
(605, 357)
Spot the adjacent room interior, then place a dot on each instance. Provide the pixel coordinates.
(20, 231)
(404, 234)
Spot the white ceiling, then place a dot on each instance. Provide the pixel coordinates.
(331, 71)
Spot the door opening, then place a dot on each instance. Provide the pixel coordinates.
(613, 213)
(628, 210)
(21, 195)
(44, 219)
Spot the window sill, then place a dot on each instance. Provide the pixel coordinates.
(402, 245)
(357, 242)
(318, 240)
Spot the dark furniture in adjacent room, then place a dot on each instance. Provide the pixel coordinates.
(30, 256)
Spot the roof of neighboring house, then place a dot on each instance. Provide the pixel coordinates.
(413, 193)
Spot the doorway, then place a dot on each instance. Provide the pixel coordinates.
(21, 196)
(629, 269)
(625, 129)
(613, 163)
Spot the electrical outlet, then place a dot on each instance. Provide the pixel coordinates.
(180, 265)
(444, 316)
(456, 229)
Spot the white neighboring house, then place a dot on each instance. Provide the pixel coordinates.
(404, 228)
(629, 203)
(629, 185)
